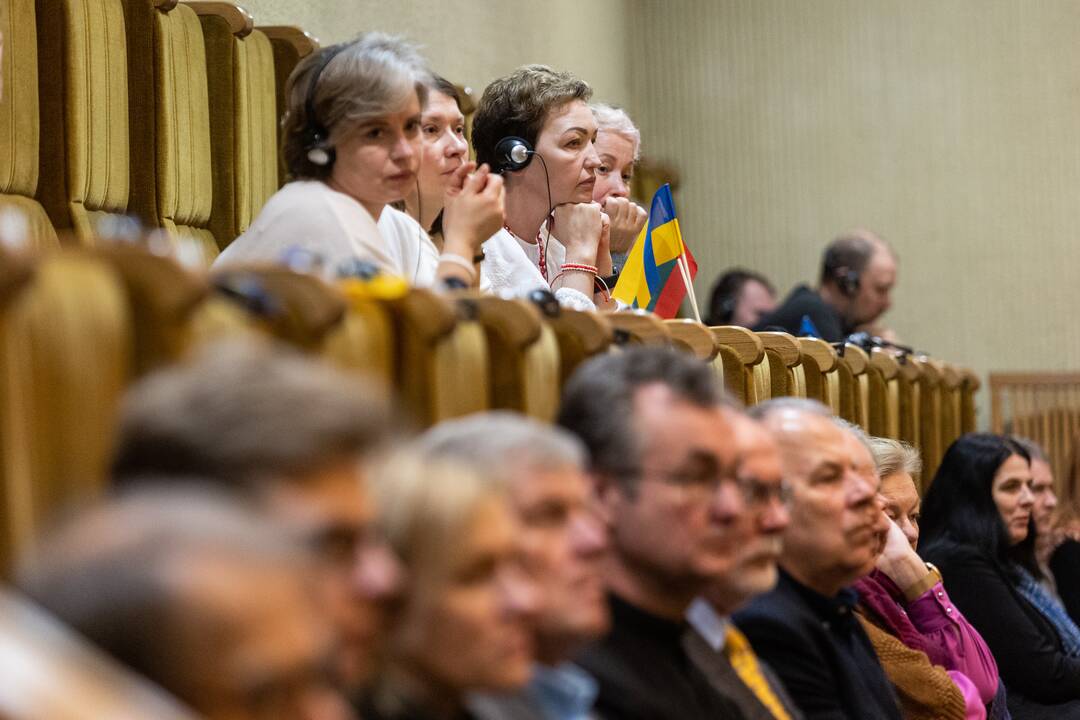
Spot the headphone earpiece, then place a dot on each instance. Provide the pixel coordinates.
(512, 154)
(727, 308)
(320, 154)
(848, 281)
(316, 137)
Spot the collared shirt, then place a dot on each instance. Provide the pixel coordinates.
(643, 671)
(819, 650)
(710, 624)
(565, 692)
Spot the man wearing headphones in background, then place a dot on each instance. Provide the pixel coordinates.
(858, 272)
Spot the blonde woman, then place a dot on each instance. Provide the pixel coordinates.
(464, 623)
(938, 663)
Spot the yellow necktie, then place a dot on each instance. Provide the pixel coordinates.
(744, 662)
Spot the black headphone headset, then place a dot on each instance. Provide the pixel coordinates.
(316, 137)
(512, 154)
(847, 280)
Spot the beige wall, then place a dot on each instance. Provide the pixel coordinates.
(950, 126)
(476, 41)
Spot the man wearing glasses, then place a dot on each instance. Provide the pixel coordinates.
(713, 642)
(662, 461)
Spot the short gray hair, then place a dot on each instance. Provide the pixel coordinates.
(857, 431)
(373, 75)
(1033, 448)
(614, 119)
(893, 456)
(767, 408)
(242, 412)
(504, 443)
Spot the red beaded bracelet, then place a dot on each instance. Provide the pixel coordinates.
(582, 268)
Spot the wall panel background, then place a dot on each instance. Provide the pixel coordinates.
(951, 127)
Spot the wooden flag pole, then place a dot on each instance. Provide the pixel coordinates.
(684, 269)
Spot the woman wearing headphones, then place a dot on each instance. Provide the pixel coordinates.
(351, 141)
(555, 235)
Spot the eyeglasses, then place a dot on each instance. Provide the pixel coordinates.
(755, 493)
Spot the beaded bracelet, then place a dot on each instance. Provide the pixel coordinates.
(567, 267)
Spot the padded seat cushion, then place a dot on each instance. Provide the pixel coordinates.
(86, 175)
(20, 120)
(243, 121)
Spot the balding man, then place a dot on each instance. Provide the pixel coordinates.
(858, 272)
(806, 628)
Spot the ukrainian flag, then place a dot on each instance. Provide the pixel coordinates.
(651, 279)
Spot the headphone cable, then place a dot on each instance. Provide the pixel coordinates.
(551, 210)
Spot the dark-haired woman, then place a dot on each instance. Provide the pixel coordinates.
(977, 527)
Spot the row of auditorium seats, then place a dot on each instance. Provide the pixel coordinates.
(160, 110)
(78, 325)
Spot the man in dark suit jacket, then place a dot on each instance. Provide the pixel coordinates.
(662, 461)
(805, 628)
(728, 662)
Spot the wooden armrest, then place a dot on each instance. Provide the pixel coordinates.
(302, 42)
(158, 282)
(951, 377)
(316, 305)
(694, 337)
(745, 343)
(240, 21)
(641, 326)
(931, 370)
(784, 345)
(910, 367)
(885, 362)
(856, 359)
(822, 353)
(517, 321)
(166, 5)
(591, 328)
(428, 314)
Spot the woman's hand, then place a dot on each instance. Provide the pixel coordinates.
(578, 226)
(474, 210)
(627, 219)
(899, 561)
(603, 249)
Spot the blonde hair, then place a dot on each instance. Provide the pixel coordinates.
(426, 505)
(373, 75)
(614, 119)
(892, 456)
(426, 502)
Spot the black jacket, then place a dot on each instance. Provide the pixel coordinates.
(819, 650)
(1065, 564)
(645, 674)
(804, 301)
(1026, 646)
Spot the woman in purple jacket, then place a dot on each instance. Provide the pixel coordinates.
(905, 598)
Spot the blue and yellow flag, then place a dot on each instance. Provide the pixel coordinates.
(651, 279)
